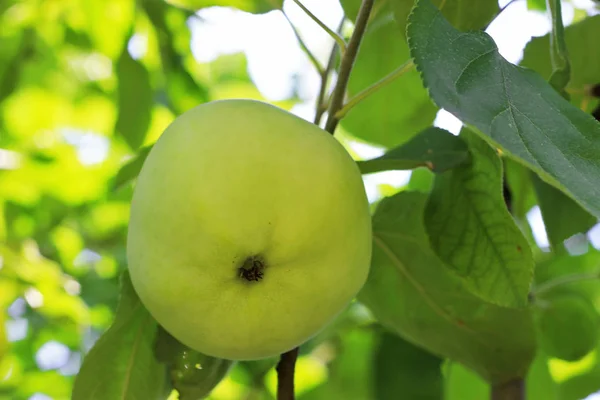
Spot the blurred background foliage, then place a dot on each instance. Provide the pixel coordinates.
(85, 86)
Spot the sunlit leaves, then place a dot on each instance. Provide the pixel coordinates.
(253, 6)
(512, 107)
(122, 365)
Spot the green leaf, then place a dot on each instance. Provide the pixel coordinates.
(563, 217)
(413, 294)
(434, 148)
(394, 113)
(563, 266)
(463, 14)
(523, 197)
(252, 6)
(539, 383)
(122, 365)
(538, 5)
(421, 180)
(193, 375)
(351, 371)
(561, 67)
(400, 367)
(582, 382)
(183, 91)
(131, 169)
(135, 100)
(581, 40)
(463, 384)
(511, 106)
(472, 231)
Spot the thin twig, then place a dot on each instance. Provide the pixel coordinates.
(360, 96)
(285, 375)
(304, 47)
(337, 97)
(338, 39)
(321, 106)
(506, 6)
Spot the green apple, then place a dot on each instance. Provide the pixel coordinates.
(568, 325)
(250, 230)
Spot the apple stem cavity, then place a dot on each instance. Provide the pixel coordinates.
(252, 269)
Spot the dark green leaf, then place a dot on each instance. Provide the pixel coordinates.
(135, 100)
(582, 42)
(193, 375)
(511, 106)
(463, 14)
(563, 217)
(413, 294)
(395, 113)
(253, 6)
(401, 367)
(131, 169)
(121, 365)
(434, 148)
(472, 231)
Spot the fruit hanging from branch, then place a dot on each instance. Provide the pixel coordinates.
(250, 230)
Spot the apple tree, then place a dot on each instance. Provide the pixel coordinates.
(166, 233)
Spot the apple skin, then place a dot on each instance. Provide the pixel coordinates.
(235, 179)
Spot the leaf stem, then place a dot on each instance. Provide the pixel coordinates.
(511, 390)
(386, 80)
(304, 47)
(285, 375)
(321, 106)
(337, 97)
(338, 39)
(563, 280)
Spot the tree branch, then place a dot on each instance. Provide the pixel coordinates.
(337, 97)
(304, 47)
(285, 375)
(511, 390)
(321, 106)
(338, 39)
